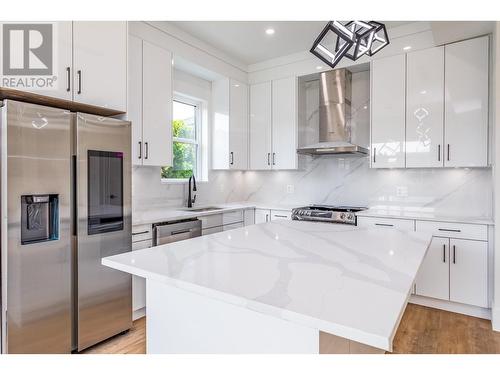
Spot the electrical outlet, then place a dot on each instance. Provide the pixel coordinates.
(290, 189)
(402, 191)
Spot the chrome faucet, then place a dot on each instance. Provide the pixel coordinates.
(191, 200)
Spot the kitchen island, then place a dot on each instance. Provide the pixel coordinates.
(278, 287)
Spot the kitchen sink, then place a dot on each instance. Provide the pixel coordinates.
(203, 209)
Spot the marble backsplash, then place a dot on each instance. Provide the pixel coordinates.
(334, 181)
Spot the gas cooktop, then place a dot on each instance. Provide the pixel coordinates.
(331, 214)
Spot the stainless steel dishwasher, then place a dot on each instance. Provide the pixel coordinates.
(176, 231)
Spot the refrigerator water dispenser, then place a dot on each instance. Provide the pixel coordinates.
(39, 218)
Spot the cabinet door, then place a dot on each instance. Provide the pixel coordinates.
(100, 63)
(466, 103)
(425, 108)
(433, 276)
(284, 123)
(139, 283)
(469, 272)
(156, 106)
(260, 126)
(388, 112)
(262, 216)
(220, 128)
(59, 82)
(232, 226)
(238, 125)
(134, 104)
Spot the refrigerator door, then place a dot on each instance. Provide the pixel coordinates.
(104, 297)
(36, 228)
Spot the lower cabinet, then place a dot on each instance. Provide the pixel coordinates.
(433, 276)
(468, 272)
(262, 215)
(281, 214)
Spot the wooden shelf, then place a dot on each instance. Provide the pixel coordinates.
(28, 97)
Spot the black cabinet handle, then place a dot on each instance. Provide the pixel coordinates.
(231, 158)
(439, 152)
(140, 150)
(268, 158)
(79, 73)
(374, 154)
(147, 150)
(274, 158)
(68, 77)
(444, 253)
(448, 153)
(454, 254)
(137, 233)
(449, 230)
(384, 225)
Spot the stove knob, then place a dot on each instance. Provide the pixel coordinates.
(342, 216)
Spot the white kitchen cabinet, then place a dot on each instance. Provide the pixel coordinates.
(156, 106)
(230, 125)
(382, 222)
(433, 276)
(284, 123)
(262, 215)
(208, 231)
(388, 77)
(425, 108)
(238, 125)
(468, 272)
(150, 103)
(232, 226)
(466, 103)
(260, 126)
(249, 216)
(100, 63)
(281, 215)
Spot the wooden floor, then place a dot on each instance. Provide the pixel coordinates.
(423, 330)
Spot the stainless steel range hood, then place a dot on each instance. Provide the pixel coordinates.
(336, 131)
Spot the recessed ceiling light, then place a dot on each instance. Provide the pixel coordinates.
(319, 67)
(236, 85)
(407, 48)
(270, 31)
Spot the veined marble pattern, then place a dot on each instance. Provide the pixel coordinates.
(340, 279)
(332, 180)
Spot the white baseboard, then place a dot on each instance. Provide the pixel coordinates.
(478, 312)
(495, 317)
(137, 314)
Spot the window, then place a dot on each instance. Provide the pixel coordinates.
(186, 141)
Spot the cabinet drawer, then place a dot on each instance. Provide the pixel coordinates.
(232, 217)
(204, 232)
(454, 230)
(141, 232)
(139, 245)
(232, 226)
(380, 222)
(281, 214)
(210, 221)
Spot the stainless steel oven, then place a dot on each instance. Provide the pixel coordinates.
(176, 231)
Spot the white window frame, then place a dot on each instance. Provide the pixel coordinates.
(198, 141)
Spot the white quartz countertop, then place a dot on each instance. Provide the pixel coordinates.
(344, 280)
(423, 214)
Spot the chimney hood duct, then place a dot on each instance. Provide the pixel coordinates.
(335, 132)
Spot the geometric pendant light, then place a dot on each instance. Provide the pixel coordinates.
(352, 40)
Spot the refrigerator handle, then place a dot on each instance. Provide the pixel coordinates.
(74, 208)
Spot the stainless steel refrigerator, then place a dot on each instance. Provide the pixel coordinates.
(65, 204)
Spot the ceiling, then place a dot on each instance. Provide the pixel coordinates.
(248, 42)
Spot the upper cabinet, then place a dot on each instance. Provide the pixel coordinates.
(90, 64)
(466, 103)
(273, 125)
(150, 103)
(260, 126)
(440, 119)
(100, 63)
(230, 124)
(425, 108)
(388, 112)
